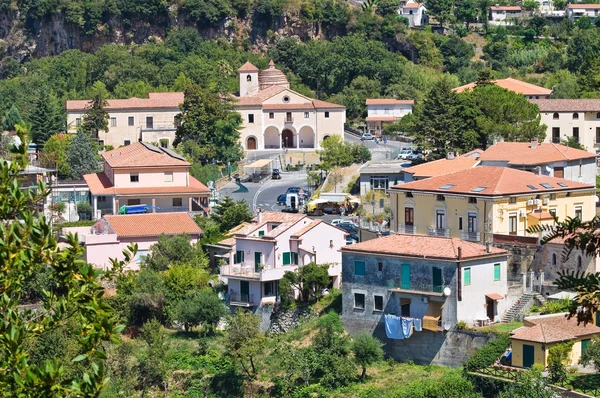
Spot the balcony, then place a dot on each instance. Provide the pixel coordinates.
(241, 300)
(288, 120)
(470, 236)
(444, 232)
(407, 229)
(425, 289)
(241, 270)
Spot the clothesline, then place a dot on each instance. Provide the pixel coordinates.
(401, 327)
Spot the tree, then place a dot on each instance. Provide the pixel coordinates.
(55, 154)
(466, 11)
(27, 247)
(558, 358)
(442, 10)
(530, 5)
(572, 142)
(229, 213)
(387, 7)
(308, 280)
(457, 53)
(83, 155)
(175, 250)
(95, 118)
(47, 118)
(243, 339)
(591, 354)
(530, 384)
(11, 118)
(203, 307)
(210, 120)
(152, 368)
(367, 350)
(335, 152)
(484, 78)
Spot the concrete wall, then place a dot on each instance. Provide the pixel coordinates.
(152, 177)
(396, 110)
(552, 263)
(365, 180)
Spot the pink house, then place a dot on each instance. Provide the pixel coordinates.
(112, 234)
(259, 253)
(142, 174)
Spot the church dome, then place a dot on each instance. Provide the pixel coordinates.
(272, 77)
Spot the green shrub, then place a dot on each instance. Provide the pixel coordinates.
(488, 354)
(461, 325)
(84, 207)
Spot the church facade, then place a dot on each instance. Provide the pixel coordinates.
(275, 117)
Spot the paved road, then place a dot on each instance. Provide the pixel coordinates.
(378, 151)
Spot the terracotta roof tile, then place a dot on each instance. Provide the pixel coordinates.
(141, 155)
(152, 224)
(441, 167)
(496, 181)
(260, 97)
(154, 101)
(412, 5)
(269, 217)
(326, 105)
(423, 246)
(263, 95)
(521, 153)
(389, 101)
(511, 84)
(505, 8)
(568, 105)
(552, 329)
(584, 6)
(248, 67)
(99, 184)
(308, 227)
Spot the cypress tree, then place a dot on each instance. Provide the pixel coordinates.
(47, 118)
(83, 155)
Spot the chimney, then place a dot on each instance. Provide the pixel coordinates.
(534, 143)
(459, 256)
(259, 215)
(450, 155)
(488, 247)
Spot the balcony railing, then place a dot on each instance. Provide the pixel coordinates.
(470, 236)
(242, 270)
(241, 300)
(438, 232)
(289, 120)
(407, 229)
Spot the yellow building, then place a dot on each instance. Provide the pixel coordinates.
(531, 343)
(487, 203)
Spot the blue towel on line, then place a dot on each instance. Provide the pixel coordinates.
(407, 324)
(418, 325)
(393, 327)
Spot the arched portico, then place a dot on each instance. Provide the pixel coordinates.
(289, 138)
(271, 138)
(307, 137)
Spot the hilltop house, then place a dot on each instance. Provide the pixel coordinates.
(261, 251)
(142, 174)
(385, 110)
(416, 13)
(504, 14)
(576, 11)
(131, 120)
(577, 118)
(276, 117)
(432, 281)
(530, 91)
(486, 203)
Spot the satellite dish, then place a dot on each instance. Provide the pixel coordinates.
(447, 326)
(447, 291)
(548, 169)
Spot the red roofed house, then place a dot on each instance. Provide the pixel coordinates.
(112, 234)
(436, 280)
(529, 90)
(485, 203)
(141, 174)
(576, 11)
(385, 110)
(504, 14)
(261, 251)
(415, 12)
(131, 120)
(275, 117)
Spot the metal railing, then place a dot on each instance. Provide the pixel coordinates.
(438, 232)
(407, 229)
(244, 270)
(470, 236)
(241, 298)
(289, 120)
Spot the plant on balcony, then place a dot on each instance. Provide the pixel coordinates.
(261, 266)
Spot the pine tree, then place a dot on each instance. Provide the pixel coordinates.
(83, 155)
(96, 118)
(47, 118)
(11, 118)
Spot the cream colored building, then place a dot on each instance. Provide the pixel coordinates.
(576, 11)
(486, 203)
(131, 120)
(275, 117)
(385, 110)
(578, 118)
(528, 90)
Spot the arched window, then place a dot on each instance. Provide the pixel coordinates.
(575, 116)
(579, 264)
(553, 258)
(248, 78)
(555, 116)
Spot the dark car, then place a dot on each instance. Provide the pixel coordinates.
(351, 228)
(302, 193)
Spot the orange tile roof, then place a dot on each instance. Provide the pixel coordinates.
(380, 118)
(388, 101)
(505, 8)
(541, 215)
(288, 106)
(248, 67)
(521, 153)
(263, 95)
(568, 105)
(496, 181)
(553, 329)
(424, 246)
(326, 105)
(141, 155)
(270, 217)
(511, 84)
(152, 224)
(258, 98)
(308, 227)
(412, 5)
(584, 6)
(154, 101)
(441, 167)
(99, 184)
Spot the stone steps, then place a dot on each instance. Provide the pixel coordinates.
(517, 308)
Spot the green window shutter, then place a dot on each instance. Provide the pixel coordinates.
(405, 281)
(584, 345)
(496, 272)
(467, 276)
(294, 258)
(286, 258)
(261, 233)
(359, 268)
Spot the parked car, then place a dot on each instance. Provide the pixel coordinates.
(348, 224)
(353, 237)
(302, 193)
(337, 222)
(351, 228)
(415, 156)
(350, 241)
(281, 199)
(276, 174)
(366, 136)
(404, 154)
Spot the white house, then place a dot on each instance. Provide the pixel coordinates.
(271, 244)
(504, 14)
(276, 117)
(416, 13)
(577, 118)
(575, 11)
(385, 110)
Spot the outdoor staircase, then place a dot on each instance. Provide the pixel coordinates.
(518, 307)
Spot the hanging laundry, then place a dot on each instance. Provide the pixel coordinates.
(393, 327)
(418, 325)
(407, 324)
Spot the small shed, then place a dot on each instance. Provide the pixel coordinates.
(380, 175)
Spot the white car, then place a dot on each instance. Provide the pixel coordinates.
(404, 154)
(367, 136)
(415, 156)
(338, 221)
